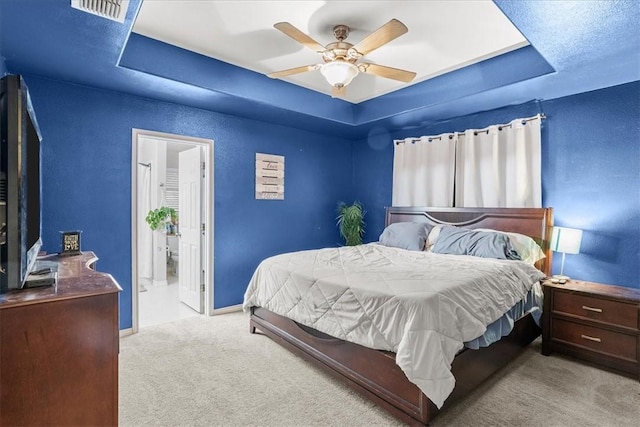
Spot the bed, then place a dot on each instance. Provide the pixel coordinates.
(374, 373)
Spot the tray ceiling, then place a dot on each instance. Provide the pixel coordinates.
(573, 47)
(443, 35)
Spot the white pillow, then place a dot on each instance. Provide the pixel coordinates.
(526, 247)
(432, 237)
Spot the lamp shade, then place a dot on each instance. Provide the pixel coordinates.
(566, 240)
(339, 73)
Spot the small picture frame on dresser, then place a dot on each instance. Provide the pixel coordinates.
(70, 243)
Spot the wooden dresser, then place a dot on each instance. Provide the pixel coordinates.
(595, 322)
(59, 349)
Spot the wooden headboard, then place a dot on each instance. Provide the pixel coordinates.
(533, 222)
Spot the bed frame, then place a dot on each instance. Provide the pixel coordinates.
(374, 373)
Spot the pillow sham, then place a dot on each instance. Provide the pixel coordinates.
(461, 241)
(405, 235)
(526, 247)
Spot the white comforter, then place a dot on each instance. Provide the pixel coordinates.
(420, 305)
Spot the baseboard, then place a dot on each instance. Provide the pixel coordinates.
(224, 310)
(126, 332)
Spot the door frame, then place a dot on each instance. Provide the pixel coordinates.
(207, 202)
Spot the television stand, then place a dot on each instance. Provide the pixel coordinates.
(59, 349)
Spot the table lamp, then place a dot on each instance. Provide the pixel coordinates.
(567, 241)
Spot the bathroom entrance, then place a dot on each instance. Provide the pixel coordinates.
(172, 219)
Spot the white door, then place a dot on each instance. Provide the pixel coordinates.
(190, 272)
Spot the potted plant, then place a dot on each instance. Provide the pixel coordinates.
(350, 221)
(160, 217)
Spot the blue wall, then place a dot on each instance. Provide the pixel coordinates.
(3, 66)
(86, 174)
(590, 167)
(590, 177)
(592, 180)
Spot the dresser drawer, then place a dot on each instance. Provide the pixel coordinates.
(604, 341)
(602, 310)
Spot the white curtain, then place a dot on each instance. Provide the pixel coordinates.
(145, 235)
(500, 166)
(423, 171)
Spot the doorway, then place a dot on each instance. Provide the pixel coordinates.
(172, 267)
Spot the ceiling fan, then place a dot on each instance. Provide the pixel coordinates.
(341, 58)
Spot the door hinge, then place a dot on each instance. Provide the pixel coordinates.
(203, 165)
(202, 228)
(202, 288)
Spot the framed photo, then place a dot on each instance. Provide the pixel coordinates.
(70, 242)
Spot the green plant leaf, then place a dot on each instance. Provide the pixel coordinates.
(157, 218)
(350, 221)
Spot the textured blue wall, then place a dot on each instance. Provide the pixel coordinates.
(591, 175)
(86, 174)
(592, 180)
(3, 65)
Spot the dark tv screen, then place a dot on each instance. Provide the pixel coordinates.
(19, 184)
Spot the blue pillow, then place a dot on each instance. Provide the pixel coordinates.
(405, 235)
(462, 241)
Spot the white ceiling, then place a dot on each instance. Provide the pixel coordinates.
(443, 35)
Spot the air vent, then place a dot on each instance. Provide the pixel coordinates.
(110, 9)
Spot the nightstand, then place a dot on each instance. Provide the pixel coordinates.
(595, 322)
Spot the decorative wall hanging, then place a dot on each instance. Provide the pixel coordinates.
(269, 177)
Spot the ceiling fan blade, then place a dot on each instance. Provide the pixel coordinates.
(338, 92)
(299, 36)
(387, 72)
(383, 35)
(292, 71)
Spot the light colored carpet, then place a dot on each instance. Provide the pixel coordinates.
(209, 371)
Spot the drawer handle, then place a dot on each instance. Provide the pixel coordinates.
(597, 310)
(587, 337)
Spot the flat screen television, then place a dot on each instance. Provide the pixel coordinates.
(19, 184)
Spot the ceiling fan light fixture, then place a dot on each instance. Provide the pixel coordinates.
(341, 57)
(339, 73)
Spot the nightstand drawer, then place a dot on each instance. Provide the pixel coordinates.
(602, 310)
(604, 341)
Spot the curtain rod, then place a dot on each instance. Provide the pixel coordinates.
(540, 116)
